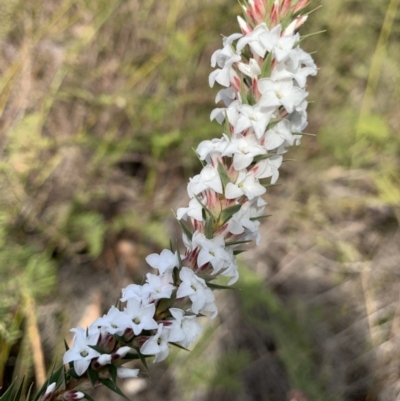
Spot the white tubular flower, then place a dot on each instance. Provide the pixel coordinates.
(157, 345)
(256, 117)
(196, 289)
(127, 373)
(246, 184)
(227, 95)
(184, 329)
(81, 354)
(212, 251)
(140, 318)
(50, 390)
(112, 321)
(252, 69)
(281, 92)
(280, 46)
(139, 292)
(268, 168)
(243, 149)
(241, 221)
(160, 286)
(164, 262)
(104, 359)
(253, 40)
(207, 149)
(279, 134)
(207, 179)
(195, 210)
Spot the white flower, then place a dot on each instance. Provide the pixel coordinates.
(104, 359)
(281, 92)
(243, 149)
(165, 261)
(246, 184)
(140, 318)
(140, 292)
(50, 390)
(279, 134)
(256, 117)
(127, 373)
(212, 251)
(253, 40)
(184, 329)
(195, 210)
(252, 69)
(207, 148)
(81, 353)
(268, 168)
(241, 221)
(196, 289)
(160, 286)
(157, 345)
(207, 179)
(112, 321)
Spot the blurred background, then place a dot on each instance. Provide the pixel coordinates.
(101, 104)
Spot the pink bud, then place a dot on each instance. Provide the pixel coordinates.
(300, 5)
(73, 395)
(244, 26)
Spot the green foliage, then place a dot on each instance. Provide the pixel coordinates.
(293, 345)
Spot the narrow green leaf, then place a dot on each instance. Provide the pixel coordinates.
(113, 373)
(71, 372)
(93, 376)
(98, 349)
(185, 230)
(250, 97)
(238, 251)
(179, 258)
(143, 358)
(223, 175)
(309, 35)
(260, 217)
(203, 206)
(209, 227)
(7, 395)
(201, 161)
(263, 157)
(220, 287)
(289, 160)
(266, 66)
(28, 395)
(118, 338)
(110, 385)
(130, 357)
(170, 246)
(227, 213)
(179, 346)
(66, 345)
(303, 133)
(166, 303)
(237, 242)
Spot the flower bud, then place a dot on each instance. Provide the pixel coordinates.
(126, 373)
(73, 395)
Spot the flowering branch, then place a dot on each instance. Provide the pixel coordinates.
(263, 73)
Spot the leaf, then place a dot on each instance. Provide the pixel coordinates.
(227, 213)
(166, 303)
(250, 97)
(226, 124)
(109, 384)
(185, 230)
(223, 175)
(203, 206)
(130, 357)
(237, 242)
(263, 157)
(118, 338)
(238, 251)
(28, 395)
(71, 372)
(209, 227)
(7, 395)
(17, 396)
(179, 346)
(201, 161)
(113, 373)
(266, 66)
(98, 349)
(170, 246)
(303, 133)
(260, 217)
(220, 287)
(142, 358)
(93, 376)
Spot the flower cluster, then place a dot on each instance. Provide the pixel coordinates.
(263, 73)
